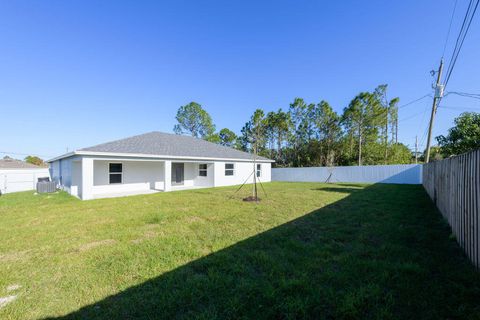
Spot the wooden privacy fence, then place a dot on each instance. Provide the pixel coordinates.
(454, 186)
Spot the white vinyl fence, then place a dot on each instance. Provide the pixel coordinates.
(14, 180)
(402, 174)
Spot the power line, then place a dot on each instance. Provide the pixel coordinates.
(459, 34)
(24, 154)
(449, 28)
(439, 87)
(416, 100)
(412, 116)
(459, 43)
(424, 136)
(384, 110)
(423, 117)
(457, 107)
(465, 94)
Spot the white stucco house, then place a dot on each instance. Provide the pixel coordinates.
(154, 162)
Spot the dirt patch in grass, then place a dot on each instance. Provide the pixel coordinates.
(6, 300)
(149, 234)
(95, 244)
(13, 287)
(13, 256)
(152, 225)
(194, 219)
(251, 199)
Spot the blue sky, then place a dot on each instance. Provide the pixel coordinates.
(78, 73)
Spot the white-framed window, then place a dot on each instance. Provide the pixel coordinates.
(259, 170)
(115, 173)
(202, 170)
(229, 169)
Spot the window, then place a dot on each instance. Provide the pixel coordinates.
(259, 170)
(229, 169)
(115, 172)
(202, 170)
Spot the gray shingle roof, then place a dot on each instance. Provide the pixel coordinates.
(16, 164)
(166, 144)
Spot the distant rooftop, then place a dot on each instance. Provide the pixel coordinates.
(171, 145)
(9, 163)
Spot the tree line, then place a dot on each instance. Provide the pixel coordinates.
(315, 135)
(312, 134)
(463, 137)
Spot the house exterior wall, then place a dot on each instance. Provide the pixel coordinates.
(207, 181)
(192, 177)
(54, 169)
(87, 177)
(243, 173)
(76, 186)
(61, 172)
(136, 176)
(189, 173)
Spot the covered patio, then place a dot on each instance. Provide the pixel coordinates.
(94, 178)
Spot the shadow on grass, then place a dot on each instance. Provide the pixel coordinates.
(338, 189)
(346, 184)
(381, 252)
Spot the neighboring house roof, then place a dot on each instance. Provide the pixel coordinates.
(10, 163)
(166, 145)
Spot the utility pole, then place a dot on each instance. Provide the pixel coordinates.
(416, 149)
(436, 98)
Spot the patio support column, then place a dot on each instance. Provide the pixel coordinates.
(167, 175)
(87, 178)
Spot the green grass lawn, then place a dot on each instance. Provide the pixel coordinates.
(307, 250)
